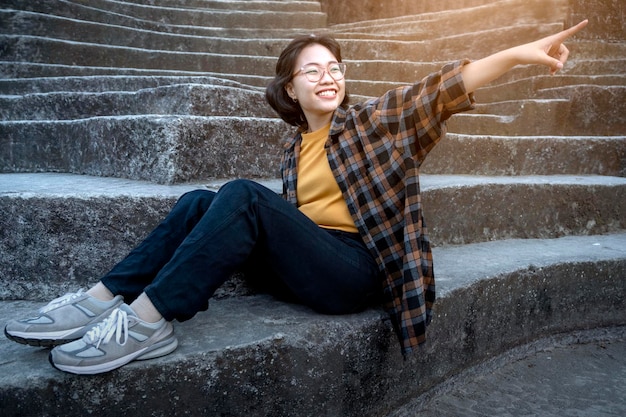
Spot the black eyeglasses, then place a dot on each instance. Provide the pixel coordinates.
(314, 73)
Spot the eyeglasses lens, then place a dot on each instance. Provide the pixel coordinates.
(313, 73)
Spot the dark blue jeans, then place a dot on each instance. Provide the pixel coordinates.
(208, 236)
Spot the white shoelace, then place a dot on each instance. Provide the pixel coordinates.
(116, 324)
(57, 302)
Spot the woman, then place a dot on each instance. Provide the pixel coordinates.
(347, 232)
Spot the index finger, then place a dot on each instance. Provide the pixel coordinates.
(571, 31)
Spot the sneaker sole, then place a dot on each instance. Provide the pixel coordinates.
(161, 348)
(39, 342)
(49, 339)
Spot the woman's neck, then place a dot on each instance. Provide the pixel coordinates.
(316, 123)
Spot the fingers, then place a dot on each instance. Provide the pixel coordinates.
(561, 53)
(558, 59)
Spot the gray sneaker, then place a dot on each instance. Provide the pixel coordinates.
(119, 339)
(62, 320)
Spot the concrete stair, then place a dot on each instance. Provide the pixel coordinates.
(110, 110)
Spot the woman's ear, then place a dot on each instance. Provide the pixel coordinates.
(290, 91)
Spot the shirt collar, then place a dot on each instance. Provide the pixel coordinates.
(338, 122)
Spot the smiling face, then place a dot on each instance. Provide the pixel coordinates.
(320, 99)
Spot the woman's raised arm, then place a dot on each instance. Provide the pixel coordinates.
(549, 51)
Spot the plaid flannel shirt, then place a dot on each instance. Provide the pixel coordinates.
(375, 150)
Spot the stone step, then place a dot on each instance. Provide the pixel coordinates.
(23, 73)
(574, 113)
(471, 45)
(152, 16)
(44, 50)
(163, 149)
(108, 84)
(528, 290)
(542, 384)
(176, 99)
(111, 84)
(61, 28)
(63, 231)
(597, 50)
(182, 148)
(373, 9)
(426, 26)
(544, 86)
(206, 16)
(303, 6)
(465, 209)
(206, 99)
(460, 154)
(577, 66)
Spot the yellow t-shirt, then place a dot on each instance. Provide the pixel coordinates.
(319, 196)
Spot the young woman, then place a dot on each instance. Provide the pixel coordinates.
(348, 231)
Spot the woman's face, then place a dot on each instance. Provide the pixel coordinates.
(319, 99)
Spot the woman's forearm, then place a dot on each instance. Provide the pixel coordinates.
(481, 72)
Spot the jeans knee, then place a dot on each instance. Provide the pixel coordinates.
(240, 186)
(239, 183)
(195, 198)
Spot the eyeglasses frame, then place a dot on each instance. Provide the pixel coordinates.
(324, 70)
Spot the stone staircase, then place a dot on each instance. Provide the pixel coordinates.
(109, 110)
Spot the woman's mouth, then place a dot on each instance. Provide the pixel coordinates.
(327, 93)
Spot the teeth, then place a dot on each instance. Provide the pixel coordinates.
(327, 93)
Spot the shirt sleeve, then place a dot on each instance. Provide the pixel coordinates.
(415, 115)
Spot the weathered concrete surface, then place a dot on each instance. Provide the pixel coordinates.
(372, 9)
(66, 28)
(528, 155)
(179, 19)
(256, 357)
(576, 112)
(178, 99)
(60, 52)
(247, 357)
(462, 209)
(460, 19)
(23, 86)
(577, 374)
(163, 149)
(605, 26)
